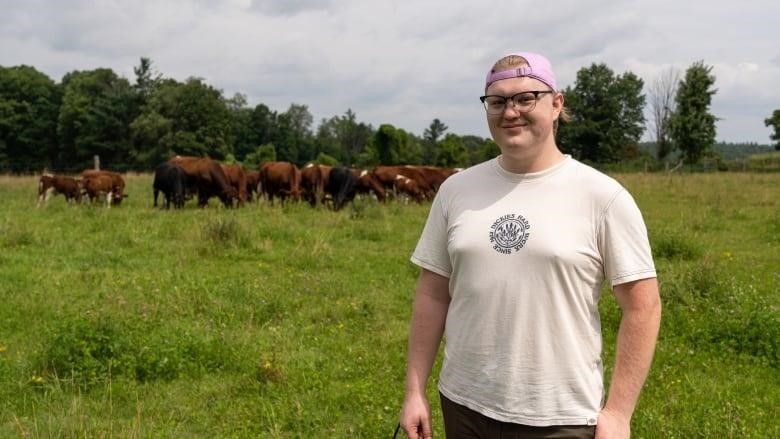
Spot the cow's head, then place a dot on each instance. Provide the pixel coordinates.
(117, 197)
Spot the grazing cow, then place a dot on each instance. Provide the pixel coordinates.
(342, 186)
(237, 178)
(386, 176)
(409, 187)
(281, 180)
(99, 186)
(171, 180)
(368, 183)
(314, 178)
(50, 185)
(433, 176)
(206, 178)
(252, 180)
(427, 178)
(111, 184)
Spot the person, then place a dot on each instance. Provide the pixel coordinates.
(513, 256)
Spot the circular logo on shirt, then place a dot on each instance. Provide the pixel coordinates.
(509, 232)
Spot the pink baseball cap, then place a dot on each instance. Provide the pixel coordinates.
(538, 68)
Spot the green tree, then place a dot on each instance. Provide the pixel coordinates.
(431, 137)
(692, 126)
(94, 119)
(452, 152)
(264, 124)
(386, 144)
(146, 78)
(29, 105)
(190, 118)
(607, 115)
(294, 140)
(263, 153)
(774, 123)
(343, 138)
(245, 138)
(488, 149)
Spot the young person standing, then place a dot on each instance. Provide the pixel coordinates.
(513, 256)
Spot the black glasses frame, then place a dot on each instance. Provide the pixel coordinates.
(513, 100)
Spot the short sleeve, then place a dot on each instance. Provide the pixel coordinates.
(624, 242)
(431, 251)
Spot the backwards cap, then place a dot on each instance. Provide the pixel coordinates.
(538, 68)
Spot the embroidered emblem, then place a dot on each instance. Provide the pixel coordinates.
(509, 232)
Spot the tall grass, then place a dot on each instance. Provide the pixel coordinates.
(286, 321)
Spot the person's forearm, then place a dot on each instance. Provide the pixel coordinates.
(425, 336)
(635, 347)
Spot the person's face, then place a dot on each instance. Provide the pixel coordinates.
(512, 129)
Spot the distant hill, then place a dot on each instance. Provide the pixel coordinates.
(727, 151)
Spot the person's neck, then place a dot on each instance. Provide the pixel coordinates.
(529, 163)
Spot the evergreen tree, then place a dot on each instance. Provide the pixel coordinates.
(692, 125)
(431, 137)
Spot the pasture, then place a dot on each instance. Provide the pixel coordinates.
(291, 322)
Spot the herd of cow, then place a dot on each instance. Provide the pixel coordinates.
(182, 178)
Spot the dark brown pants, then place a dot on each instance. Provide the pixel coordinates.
(463, 423)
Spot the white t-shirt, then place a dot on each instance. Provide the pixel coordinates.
(526, 256)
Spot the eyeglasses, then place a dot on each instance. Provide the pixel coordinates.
(523, 102)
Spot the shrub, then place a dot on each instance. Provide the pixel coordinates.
(224, 232)
(89, 352)
(674, 245)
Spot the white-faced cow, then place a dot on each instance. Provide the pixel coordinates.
(50, 185)
(106, 184)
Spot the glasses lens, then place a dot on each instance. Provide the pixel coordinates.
(495, 104)
(524, 102)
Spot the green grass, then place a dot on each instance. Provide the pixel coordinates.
(287, 322)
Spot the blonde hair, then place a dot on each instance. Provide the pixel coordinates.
(512, 61)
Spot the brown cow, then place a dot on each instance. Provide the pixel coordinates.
(206, 178)
(314, 180)
(386, 176)
(101, 185)
(434, 176)
(368, 183)
(409, 187)
(50, 185)
(237, 178)
(280, 179)
(252, 180)
(105, 182)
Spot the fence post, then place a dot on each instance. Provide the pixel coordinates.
(96, 159)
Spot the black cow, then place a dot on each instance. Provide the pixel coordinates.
(342, 186)
(171, 180)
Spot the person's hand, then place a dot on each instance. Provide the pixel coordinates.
(416, 417)
(612, 425)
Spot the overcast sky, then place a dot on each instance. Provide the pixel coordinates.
(405, 62)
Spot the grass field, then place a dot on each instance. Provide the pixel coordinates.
(291, 322)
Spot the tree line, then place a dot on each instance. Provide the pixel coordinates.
(136, 125)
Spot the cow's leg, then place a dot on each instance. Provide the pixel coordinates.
(48, 194)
